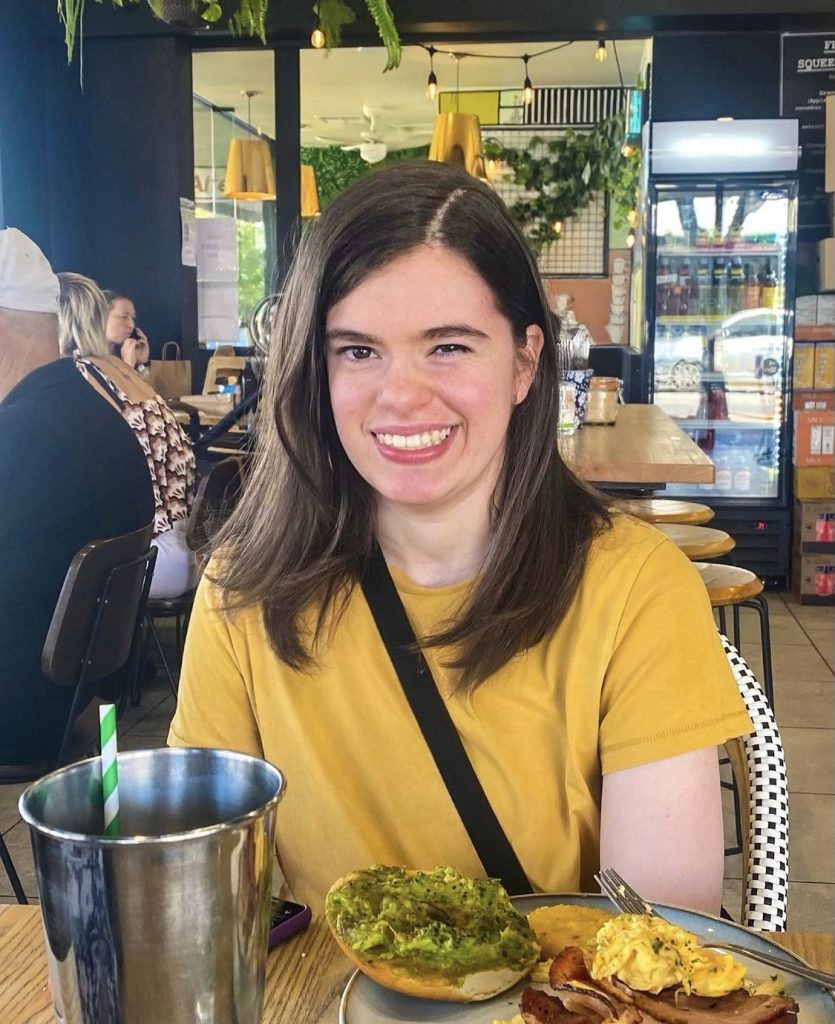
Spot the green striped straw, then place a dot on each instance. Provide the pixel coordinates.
(109, 769)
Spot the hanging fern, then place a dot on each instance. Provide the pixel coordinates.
(250, 19)
(563, 181)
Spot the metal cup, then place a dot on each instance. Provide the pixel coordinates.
(167, 922)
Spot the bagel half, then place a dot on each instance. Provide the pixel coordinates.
(431, 934)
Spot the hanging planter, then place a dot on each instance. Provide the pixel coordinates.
(243, 17)
(194, 13)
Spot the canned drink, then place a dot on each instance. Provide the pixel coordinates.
(821, 527)
(829, 535)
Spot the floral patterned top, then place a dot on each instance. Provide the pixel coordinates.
(165, 444)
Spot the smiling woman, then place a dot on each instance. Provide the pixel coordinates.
(407, 433)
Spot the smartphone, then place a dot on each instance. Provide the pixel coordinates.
(286, 919)
(134, 334)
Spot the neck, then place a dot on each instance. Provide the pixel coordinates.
(18, 362)
(434, 549)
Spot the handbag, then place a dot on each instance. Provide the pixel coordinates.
(170, 377)
(485, 832)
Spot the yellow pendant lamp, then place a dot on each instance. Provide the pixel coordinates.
(310, 193)
(457, 140)
(249, 166)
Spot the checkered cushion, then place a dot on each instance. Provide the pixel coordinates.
(766, 874)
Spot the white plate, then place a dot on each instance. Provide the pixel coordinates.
(366, 1002)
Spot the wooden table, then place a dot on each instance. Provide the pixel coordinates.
(644, 449)
(305, 976)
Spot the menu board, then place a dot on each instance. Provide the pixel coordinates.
(808, 77)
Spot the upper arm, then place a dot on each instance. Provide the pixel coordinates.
(661, 828)
(215, 704)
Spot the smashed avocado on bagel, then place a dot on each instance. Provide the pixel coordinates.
(431, 934)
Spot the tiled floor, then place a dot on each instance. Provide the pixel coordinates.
(803, 644)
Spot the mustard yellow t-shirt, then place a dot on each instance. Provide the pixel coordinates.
(634, 674)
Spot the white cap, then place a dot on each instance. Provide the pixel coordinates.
(26, 278)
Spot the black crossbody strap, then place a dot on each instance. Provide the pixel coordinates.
(487, 835)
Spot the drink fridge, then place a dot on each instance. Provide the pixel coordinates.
(720, 262)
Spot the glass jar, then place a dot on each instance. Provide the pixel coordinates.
(604, 396)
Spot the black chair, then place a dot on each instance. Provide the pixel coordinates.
(93, 635)
(216, 496)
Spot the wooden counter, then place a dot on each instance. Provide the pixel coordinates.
(305, 976)
(644, 447)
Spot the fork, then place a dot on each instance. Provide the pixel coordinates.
(628, 901)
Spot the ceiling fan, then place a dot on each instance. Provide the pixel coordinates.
(370, 134)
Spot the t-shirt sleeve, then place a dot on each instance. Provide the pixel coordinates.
(669, 688)
(214, 703)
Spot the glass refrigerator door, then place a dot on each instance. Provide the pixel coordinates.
(719, 327)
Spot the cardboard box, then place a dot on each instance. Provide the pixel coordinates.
(825, 309)
(814, 438)
(814, 482)
(806, 310)
(803, 365)
(815, 332)
(812, 400)
(826, 265)
(825, 365)
(813, 578)
(814, 523)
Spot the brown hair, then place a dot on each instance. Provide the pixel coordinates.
(304, 528)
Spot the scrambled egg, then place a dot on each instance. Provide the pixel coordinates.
(650, 954)
(566, 924)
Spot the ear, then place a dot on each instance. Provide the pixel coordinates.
(527, 361)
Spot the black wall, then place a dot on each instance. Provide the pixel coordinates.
(699, 77)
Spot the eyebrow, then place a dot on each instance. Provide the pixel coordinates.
(345, 334)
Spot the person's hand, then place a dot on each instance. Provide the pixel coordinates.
(136, 350)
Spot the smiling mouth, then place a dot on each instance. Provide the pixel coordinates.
(414, 442)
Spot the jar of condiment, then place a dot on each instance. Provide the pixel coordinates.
(604, 396)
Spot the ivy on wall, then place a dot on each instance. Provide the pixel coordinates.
(337, 168)
(563, 174)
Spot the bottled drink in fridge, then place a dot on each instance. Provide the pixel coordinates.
(664, 288)
(752, 289)
(719, 287)
(702, 288)
(770, 288)
(684, 288)
(724, 480)
(741, 468)
(736, 286)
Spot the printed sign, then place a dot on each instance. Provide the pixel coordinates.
(808, 77)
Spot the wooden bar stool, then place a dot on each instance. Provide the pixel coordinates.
(668, 510)
(729, 586)
(698, 542)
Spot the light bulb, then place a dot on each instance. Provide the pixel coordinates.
(317, 39)
(627, 150)
(630, 238)
(528, 91)
(432, 85)
(601, 53)
(632, 218)
(556, 227)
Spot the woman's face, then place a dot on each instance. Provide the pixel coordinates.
(424, 374)
(121, 321)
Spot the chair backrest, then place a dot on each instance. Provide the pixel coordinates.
(96, 615)
(222, 365)
(759, 768)
(217, 494)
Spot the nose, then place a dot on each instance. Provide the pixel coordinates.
(404, 387)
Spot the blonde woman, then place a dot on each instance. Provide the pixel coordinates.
(82, 319)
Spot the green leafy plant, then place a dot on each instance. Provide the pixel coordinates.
(562, 176)
(336, 168)
(249, 18)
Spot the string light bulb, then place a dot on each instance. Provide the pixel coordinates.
(527, 85)
(627, 150)
(601, 53)
(317, 36)
(630, 238)
(556, 227)
(432, 80)
(632, 218)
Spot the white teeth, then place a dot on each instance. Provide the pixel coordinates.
(428, 439)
